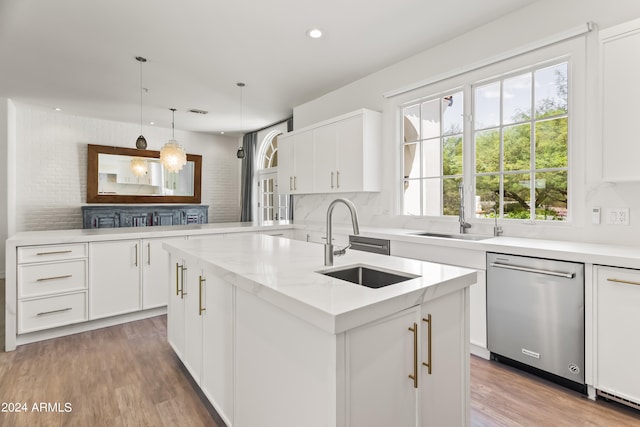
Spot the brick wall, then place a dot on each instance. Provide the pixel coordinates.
(52, 165)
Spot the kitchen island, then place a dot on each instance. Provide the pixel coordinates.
(270, 340)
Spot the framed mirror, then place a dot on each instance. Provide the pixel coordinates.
(129, 175)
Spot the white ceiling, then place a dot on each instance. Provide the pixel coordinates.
(79, 55)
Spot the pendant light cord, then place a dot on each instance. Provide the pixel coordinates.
(140, 97)
(173, 119)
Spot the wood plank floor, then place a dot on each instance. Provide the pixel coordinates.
(127, 375)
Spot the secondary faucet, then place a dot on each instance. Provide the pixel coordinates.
(497, 230)
(328, 247)
(463, 224)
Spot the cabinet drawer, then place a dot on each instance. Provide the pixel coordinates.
(44, 253)
(44, 313)
(51, 278)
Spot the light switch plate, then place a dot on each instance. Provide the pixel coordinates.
(595, 216)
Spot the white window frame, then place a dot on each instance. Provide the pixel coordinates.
(574, 52)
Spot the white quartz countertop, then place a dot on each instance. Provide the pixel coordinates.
(285, 273)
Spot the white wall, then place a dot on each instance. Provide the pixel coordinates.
(51, 154)
(536, 22)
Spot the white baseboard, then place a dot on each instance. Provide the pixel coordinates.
(480, 351)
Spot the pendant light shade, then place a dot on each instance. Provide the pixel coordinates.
(240, 153)
(172, 155)
(141, 142)
(139, 166)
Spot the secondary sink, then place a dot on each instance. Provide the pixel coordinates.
(368, 276)
(454, 236)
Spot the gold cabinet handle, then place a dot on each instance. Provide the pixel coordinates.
(54, 253)
(200, 308)
(414, 377)
(178, 266)
(337, 179)
(136, 260)
(44, 313)
(148, 253)
(291, 183)
(331, 179)
(626, 282)
(428, 362)
(44, 279)
(182, 292)
(295, 183)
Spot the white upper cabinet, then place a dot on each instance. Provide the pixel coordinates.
(620, 108)
(340, 155)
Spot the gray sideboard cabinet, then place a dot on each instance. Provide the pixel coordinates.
(114, 216)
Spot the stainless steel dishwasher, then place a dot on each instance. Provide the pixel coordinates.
(535, 316)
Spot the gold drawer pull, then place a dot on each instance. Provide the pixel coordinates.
(200, 308)
(44, 279)
(44, 313)
(414, 377)
(428, 362)
(626, 282)
(54, 253)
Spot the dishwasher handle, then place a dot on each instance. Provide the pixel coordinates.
(533, 270)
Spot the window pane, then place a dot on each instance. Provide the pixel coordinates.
(412, 197)
(551, 91)
(487, 194)
(517, 196)
(412, 160)
(452, 114)
(551, 143)
(432, 158)
(487, 147)
(517, 147)
(432, 197)
(516, 106)
(487, 106)
(430, 119)
(551, 196)
(452, 156)
(451, 196)
(274, 160)
(411, 123)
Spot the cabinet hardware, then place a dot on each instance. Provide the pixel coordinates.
(295, 183)
(414, 377)
(54, 253)
(44, 313)
(290, 183)
(337, 179)
(331, 179)
(182, 292)
(136, 260)
(200, 309)
(178, 266)
(428, 362)
(626, 282)
(44, 279)
(148, 253)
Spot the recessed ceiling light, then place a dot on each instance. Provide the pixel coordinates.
(222, 133)
(152, 123)
(314, 33)
(58, 109)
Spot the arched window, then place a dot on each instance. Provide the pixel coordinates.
(272, 205)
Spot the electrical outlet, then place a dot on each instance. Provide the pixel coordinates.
(618, 216)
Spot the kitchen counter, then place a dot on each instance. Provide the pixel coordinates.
(284, 272)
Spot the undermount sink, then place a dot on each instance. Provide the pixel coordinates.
(454, 236)
(368, 276)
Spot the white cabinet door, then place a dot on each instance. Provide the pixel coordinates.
(478, 311)
(217, 370)
(303, 163)
(443, 395)
(193, 286)
(114, 277)
(351, 155)
(325, 154)
(620, 109)
(155, 272)
(175, 306)
(380, 358)
(617, 330)
(285, 163)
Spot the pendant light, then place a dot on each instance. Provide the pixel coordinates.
(172, 155)
(240, 153)
(141, 142)
(139, 166)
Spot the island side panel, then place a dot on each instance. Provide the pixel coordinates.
(285, 372)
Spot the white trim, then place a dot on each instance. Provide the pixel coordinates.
(547, 41)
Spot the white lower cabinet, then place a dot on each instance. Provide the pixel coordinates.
(175, 306)
(114, 277)
(617, 320)
(155, 268)
(192, 297)
(410, 369)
